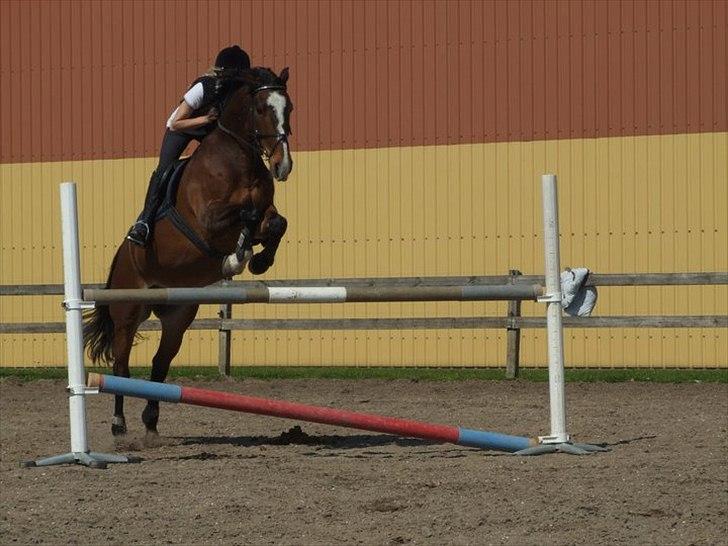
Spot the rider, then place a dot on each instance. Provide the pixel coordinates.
(194, 118)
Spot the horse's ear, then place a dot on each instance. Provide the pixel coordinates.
(284, 75)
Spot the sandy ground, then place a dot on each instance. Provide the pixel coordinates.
(230, 478)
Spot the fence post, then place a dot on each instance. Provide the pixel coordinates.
(513, 333)
(224, 338)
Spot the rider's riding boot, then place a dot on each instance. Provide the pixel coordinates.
(140, 231)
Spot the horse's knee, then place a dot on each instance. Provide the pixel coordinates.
(276, 227)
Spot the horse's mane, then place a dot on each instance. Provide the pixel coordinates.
(260, 75)
(250, 79)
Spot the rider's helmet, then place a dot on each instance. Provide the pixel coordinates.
(232, 59)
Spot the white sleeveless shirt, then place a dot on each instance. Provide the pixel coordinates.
(193, 98)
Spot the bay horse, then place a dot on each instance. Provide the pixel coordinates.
(224, 206)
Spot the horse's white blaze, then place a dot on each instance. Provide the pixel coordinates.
(278, 103)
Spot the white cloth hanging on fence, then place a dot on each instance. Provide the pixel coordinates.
(576, 299)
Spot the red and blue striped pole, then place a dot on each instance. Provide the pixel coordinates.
(280, 408)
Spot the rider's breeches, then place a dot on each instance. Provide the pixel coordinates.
(173, 144)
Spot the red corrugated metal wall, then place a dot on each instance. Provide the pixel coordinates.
(92, 79)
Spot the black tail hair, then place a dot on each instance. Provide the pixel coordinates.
(98, 329)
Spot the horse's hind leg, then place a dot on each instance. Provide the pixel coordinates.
(175, 320)
(126, 319)
(272, 229)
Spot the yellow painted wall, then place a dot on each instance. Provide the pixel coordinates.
(632, 204)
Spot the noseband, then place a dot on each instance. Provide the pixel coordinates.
(256, 143)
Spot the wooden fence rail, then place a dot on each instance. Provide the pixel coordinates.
(513, 322)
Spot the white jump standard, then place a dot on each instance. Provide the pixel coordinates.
(74, 306)
(559, 439)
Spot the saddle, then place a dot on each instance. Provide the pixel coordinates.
(170, 180)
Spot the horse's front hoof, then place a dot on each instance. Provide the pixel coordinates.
(259, 264)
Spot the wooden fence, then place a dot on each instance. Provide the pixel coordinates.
(512, 322)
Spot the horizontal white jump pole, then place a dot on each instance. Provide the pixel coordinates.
(323, 294)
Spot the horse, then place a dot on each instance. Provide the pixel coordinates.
(223, 209)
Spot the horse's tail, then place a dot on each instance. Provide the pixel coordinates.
(98, 328)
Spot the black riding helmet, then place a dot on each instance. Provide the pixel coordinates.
(232, 59)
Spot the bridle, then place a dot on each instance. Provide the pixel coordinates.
(256, 142)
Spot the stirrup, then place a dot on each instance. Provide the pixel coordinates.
(135, 236)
